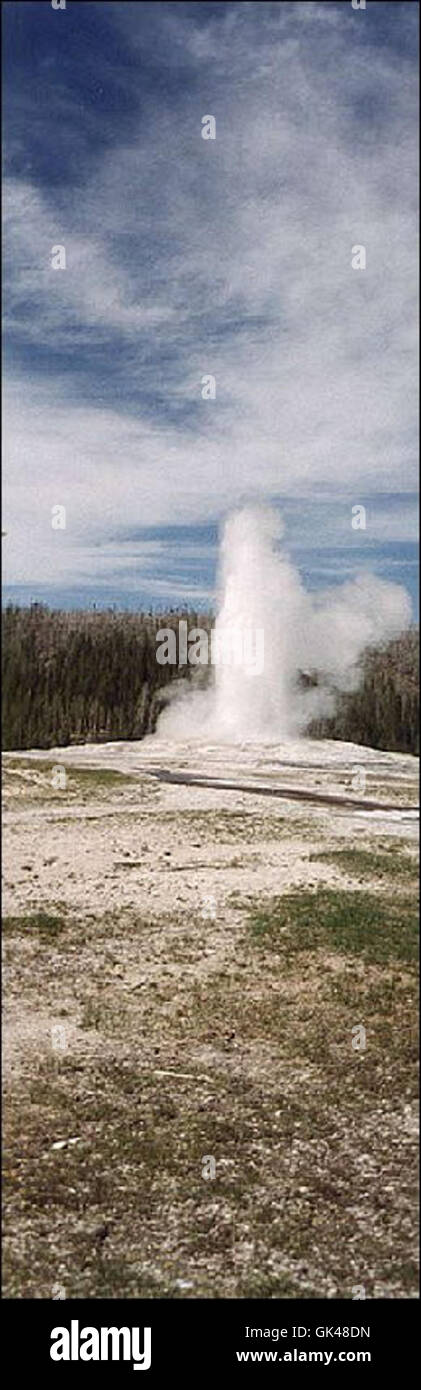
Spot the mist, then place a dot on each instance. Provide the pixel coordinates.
(301, 633)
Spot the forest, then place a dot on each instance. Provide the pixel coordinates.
(93, 676)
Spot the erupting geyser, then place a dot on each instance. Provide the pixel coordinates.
(269, 630)
(261, 597)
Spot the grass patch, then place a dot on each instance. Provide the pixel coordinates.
(98, 777)
(280, 1219)
(267, 1286)
(32, 781)
(45, 924)
(387, 863)
(376, 927)
(222, 826)
(102, 776)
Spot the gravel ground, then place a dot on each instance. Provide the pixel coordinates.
(186, 1111)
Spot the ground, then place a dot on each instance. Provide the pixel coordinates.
(210, 1024)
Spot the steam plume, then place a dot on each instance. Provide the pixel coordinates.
(261, 590)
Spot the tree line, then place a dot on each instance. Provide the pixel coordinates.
(384, 711)
(93, 677)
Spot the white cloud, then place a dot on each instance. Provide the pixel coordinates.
(242, 269)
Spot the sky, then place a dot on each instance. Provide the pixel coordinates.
(188, 257)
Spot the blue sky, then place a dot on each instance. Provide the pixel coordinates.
(186, 257)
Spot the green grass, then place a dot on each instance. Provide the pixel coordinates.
(388, 863)
(379, 928)
(32, 780)
(98, 777)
